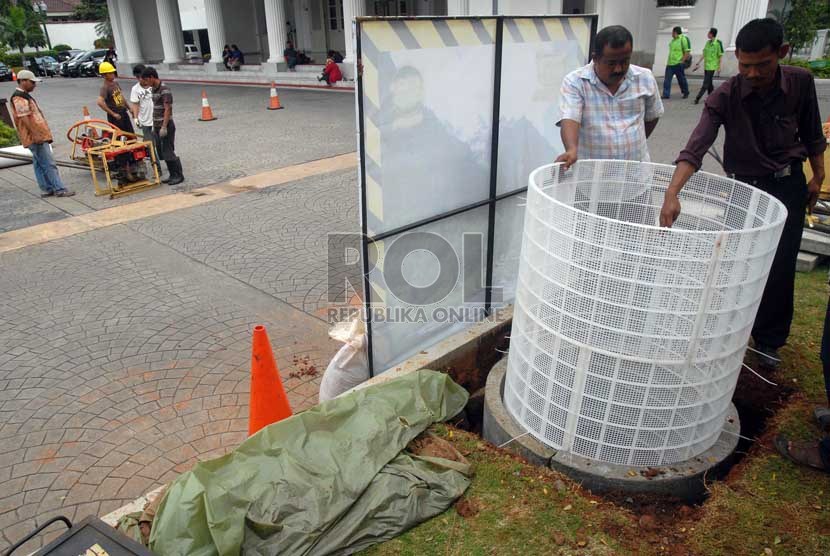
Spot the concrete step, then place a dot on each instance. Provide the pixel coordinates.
(283, 78)
(309, 68)
(807, 262)
(815, 242)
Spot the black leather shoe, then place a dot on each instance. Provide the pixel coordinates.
(767, 356)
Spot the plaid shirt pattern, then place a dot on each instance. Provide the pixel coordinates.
(611, 126)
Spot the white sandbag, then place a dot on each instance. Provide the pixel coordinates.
(350, 365)
(18, 150)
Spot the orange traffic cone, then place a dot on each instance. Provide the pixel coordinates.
(269, 403)
(207, 113)
(87, 117)
(274, 101)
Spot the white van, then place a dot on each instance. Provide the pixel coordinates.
(191, 52)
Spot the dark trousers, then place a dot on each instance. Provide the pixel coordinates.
(825, 352)
(165, 146)
(680, 72)
(124, 124)
(775, 315)
(707, 87)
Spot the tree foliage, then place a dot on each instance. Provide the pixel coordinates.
(824, 17)
(801, 19)
(96, 10)
(91, 10)
(104, 29)
(20, 27)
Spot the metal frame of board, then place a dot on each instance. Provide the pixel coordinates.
(493, 198)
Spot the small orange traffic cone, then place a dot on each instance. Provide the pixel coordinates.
(87, 117)
(207, 113)
(269, 403)
(274, 101)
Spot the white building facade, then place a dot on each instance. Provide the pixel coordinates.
(155, 31)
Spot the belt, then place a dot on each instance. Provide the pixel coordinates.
(784, 172)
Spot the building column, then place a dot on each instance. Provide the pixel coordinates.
(302, 23)
(115, 22)
(275, 23)
(351, 10)
(216, 32)
(170, 25)
(458, 7)
(132, 47)
(746, 11)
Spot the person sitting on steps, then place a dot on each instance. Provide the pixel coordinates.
(331, 73)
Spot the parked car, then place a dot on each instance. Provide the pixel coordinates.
(66, 55)
(70, 67)
(48, 66)
(89, 68)
(85, 64)
(5, 72)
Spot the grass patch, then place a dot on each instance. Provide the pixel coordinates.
(765, 506)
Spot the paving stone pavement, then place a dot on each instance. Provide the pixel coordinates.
(273, 239)
(245, 139)
(124, 352)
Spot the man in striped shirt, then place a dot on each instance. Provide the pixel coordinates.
(609, 107)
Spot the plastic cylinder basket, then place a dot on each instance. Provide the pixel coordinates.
(628, 338)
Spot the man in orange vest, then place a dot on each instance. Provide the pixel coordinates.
(35, 135)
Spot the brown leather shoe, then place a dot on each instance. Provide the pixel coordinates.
(808, 454)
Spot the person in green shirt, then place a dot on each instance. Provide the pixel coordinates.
(679, 51)
(712, 53)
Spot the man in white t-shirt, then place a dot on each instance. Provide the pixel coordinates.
(141, 104)
(141, 107)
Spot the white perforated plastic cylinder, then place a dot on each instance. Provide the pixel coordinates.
(628, 338)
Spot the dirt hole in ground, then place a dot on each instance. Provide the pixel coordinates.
(755, 400)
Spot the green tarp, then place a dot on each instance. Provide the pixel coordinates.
(332, 480)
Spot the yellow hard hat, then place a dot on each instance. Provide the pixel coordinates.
(106, 67)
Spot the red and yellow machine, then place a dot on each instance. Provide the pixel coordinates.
(128, 162)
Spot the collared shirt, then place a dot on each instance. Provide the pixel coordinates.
(143, 97)
(763, 134)
(161, 97)
(677, 48)
(712, 53)
(611, 125)
(31, 125)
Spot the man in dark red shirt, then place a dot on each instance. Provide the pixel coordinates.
(771, 117)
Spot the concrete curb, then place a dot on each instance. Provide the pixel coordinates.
(684, 480)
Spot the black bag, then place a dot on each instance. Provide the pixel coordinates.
(688, 63)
